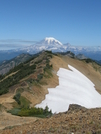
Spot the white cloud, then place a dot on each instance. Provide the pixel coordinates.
(14, 43)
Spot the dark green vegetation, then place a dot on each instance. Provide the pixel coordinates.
(23, 70)
(22, 108)
(37, 112)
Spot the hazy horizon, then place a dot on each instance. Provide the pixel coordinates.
(10, 44)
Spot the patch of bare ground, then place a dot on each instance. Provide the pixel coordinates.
(6, 98)
(8, 120)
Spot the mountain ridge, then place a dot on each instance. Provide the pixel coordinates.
(32, 83)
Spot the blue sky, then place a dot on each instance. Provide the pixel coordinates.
(22, 22)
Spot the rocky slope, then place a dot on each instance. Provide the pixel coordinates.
(77, 120)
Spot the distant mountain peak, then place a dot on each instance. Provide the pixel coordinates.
(51, 40)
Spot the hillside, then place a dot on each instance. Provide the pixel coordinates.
(7, 65)
(31, 80)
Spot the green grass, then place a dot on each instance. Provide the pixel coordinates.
(21, 101)
(24, 102)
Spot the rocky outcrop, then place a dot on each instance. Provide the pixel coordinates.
(77, 120)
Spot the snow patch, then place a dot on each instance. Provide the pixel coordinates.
(74, 88)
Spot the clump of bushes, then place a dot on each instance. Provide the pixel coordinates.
(39, 112)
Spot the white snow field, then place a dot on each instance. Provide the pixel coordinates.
(74, 88)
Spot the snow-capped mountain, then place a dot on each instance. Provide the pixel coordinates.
(50, 43)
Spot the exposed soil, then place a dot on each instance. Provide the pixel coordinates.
(6, 120)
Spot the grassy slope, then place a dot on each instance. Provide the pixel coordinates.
(28, 75)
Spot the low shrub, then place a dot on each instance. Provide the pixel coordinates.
(39, 112)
